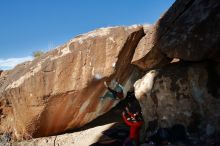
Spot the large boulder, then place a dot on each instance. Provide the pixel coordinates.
(63, 89)
(181, 93)
(147, 55)
(189, 30)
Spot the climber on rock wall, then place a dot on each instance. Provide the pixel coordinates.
(116, 94)
(130, 99)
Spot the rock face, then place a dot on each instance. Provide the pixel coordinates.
(147, 55)
(189, 30)
(64, 89)
(82, 138)
(183, 93)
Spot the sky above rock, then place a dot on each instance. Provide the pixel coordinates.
(30, 25)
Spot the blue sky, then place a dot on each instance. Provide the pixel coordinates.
(30, 25)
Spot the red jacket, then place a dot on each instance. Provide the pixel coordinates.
(135, 128)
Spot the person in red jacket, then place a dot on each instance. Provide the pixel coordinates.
(134, 121)
(132, 115)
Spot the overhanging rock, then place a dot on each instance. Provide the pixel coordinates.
(63, 89)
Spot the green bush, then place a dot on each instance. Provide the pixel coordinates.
(37, 53)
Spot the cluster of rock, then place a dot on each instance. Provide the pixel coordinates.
(63, 89)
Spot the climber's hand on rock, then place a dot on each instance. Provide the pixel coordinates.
(105, 84)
